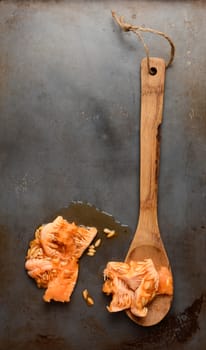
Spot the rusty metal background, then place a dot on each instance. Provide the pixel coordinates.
(69, 130)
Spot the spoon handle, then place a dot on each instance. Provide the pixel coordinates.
(152, 94)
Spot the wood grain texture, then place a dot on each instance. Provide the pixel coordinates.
(152, 92)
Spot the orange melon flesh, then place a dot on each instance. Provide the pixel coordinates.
(52, 259)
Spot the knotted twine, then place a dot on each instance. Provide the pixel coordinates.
(127, 27)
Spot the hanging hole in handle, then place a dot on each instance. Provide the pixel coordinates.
(153, 71)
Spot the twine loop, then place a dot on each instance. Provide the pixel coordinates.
(127, 27)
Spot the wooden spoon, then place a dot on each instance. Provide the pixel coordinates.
(147, 241)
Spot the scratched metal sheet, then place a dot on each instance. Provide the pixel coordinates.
(69, 130)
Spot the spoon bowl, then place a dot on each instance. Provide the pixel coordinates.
(161, 304)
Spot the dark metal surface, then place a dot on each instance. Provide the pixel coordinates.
(69, 130)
